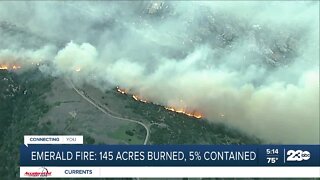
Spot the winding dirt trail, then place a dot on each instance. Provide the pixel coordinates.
(107, 111)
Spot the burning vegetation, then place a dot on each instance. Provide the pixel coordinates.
(193, 113)
(9, 67)
(122, 91)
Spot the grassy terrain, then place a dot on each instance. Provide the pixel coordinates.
(20, 113)
(22, 103)
(173, 128)
(129, 135)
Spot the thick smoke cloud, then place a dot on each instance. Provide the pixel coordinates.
(251, 65)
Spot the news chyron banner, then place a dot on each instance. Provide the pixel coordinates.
(67, 156)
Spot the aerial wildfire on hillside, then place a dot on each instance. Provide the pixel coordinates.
(195, 114)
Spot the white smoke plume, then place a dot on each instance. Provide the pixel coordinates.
(251, 65)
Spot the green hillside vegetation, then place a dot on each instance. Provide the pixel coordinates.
(173, 128)
(20, 111)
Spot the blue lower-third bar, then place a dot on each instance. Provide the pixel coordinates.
(170, 155)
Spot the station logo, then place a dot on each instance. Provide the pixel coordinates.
(298, 155)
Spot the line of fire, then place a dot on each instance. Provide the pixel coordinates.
(194, 113)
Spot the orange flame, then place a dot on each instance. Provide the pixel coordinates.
(9, 67)
(3, 67)
(137, 98)
(194, 114)
(122, 91)
(16, 67)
